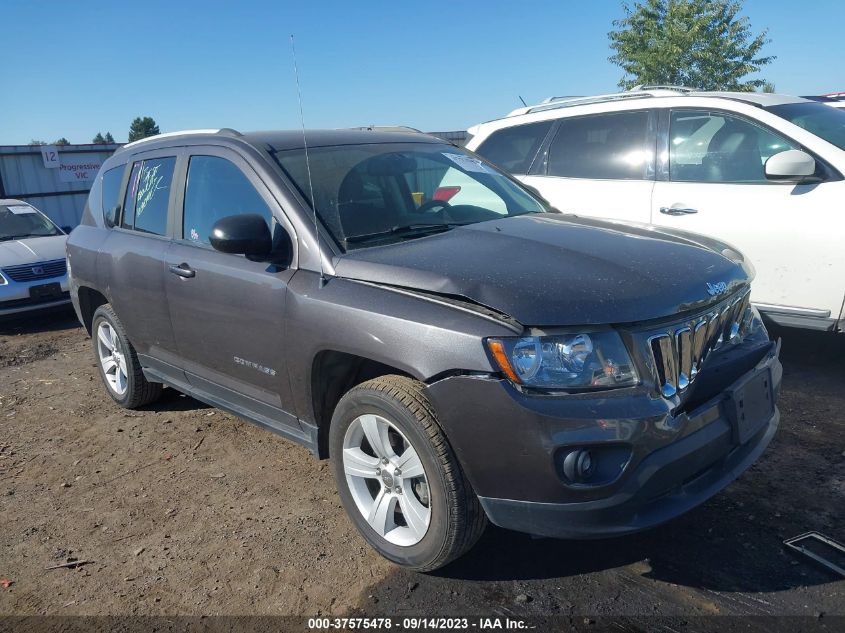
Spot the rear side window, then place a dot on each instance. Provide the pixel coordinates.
(217, 188)
(111, 194)
(513, 149)
(604, 146)
(148, 195)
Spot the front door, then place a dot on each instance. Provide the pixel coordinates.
(228, 311)
(793, 234)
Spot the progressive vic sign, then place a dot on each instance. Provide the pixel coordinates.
(82, 171)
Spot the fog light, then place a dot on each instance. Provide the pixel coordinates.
(578, 465)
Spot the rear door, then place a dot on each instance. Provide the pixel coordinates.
(228, 311)
(714, 183)
(599, 165)
(132, 258)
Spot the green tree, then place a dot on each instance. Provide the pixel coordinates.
(37, 142)
(98, 140)
(142, 127)
(704, 44)
(62, 141)
(767, 86)
(109, 138)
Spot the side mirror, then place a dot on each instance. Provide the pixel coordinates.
(245, 234)
(792, 164)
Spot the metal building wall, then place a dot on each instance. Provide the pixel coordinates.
(24, 176)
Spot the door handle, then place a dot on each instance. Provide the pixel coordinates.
(183, 270)
(677, 210)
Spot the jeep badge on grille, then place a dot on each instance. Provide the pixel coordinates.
(717, 288)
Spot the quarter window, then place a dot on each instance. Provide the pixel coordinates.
(716, 147)
(111, 192)
(513, 149)
(217, 188)
(148, 195)
(604, 146)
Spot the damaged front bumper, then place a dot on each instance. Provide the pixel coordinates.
(654, 463)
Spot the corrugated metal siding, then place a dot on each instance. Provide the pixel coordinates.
(24, 176)
(458, 137)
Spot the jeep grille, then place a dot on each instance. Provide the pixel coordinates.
(679, 353)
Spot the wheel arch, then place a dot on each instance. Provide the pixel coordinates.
(333, 373)
(89, 300)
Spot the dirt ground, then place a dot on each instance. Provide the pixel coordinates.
(183, 509)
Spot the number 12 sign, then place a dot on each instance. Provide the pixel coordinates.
(50, 156)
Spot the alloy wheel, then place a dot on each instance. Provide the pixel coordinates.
(112, 358)
(387, 480)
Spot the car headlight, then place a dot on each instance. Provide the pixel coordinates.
(566, 361)
(3, 280)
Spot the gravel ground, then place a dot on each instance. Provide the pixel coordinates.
(183, 509)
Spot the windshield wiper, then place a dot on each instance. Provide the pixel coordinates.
(405, 230)
(6, 238)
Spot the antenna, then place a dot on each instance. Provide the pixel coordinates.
(308, 165)
(523, 100)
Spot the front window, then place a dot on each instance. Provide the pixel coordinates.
(383, 193)
(217, 188)
(817, 118)
(709, 146)
(21, 221)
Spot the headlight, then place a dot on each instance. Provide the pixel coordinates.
(3, 280)
(566, 361)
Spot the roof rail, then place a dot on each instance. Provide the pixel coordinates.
(224, 130)
(386, 128)
(556, 103)
(683, 89)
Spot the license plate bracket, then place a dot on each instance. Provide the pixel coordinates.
(750, 405)
(45, 292)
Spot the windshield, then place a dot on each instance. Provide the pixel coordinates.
(822, 120)
(381, 193)
(21, 221)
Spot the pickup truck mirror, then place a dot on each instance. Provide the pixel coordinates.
(245, 234)
(792, 164)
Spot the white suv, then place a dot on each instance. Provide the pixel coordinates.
(761, 171)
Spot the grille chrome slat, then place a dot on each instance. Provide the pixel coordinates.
(683, 345)
(36, 270)
(680, 350)
(664, 356)
(699, 346)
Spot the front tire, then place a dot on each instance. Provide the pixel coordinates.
(398, 478)
(118, 362)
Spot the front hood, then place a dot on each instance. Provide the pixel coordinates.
(557, 270)
(31, 250)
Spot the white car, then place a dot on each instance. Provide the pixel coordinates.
(763, 172)
(33, 269)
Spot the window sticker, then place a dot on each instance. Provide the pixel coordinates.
(20, 209)
(194, 235)
(467, 163)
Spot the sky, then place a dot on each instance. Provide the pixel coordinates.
(72, 69)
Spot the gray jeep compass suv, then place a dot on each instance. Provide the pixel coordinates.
(458, 363)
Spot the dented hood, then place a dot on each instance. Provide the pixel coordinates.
(557, 270)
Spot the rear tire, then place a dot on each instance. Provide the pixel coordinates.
(429, 513)
(118, 362)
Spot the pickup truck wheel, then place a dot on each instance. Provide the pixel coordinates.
(118, 363)
(398, 478)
